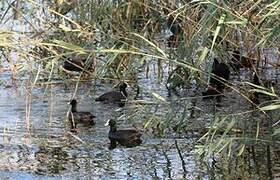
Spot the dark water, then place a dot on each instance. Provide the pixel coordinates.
(35, 141)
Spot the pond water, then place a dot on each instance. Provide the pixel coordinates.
(36, 143)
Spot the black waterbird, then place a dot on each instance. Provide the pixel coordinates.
(118, 97)
(78, 63)
(76, 117)
(124, 137)
(219, 75)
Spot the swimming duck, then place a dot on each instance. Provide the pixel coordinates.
(118, 97)
(77, 63)
(125, 137)
(76, 117)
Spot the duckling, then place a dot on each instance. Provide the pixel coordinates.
(76, 117)
(118, 97)
(125, 137)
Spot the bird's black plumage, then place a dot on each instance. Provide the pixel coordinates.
(115, 96)
(76, 117)
(125, 137)
(77, 64)
(219, 75)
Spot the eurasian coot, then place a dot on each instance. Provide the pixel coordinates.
(219, 75)
(76, 117)
(118, 97)
(78, 63)
(125, 137)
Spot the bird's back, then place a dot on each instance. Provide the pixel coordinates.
(82, 117)
(126, 137)
(113, 96)
(221, 70)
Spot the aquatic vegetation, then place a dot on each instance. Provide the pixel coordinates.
(153, 45)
